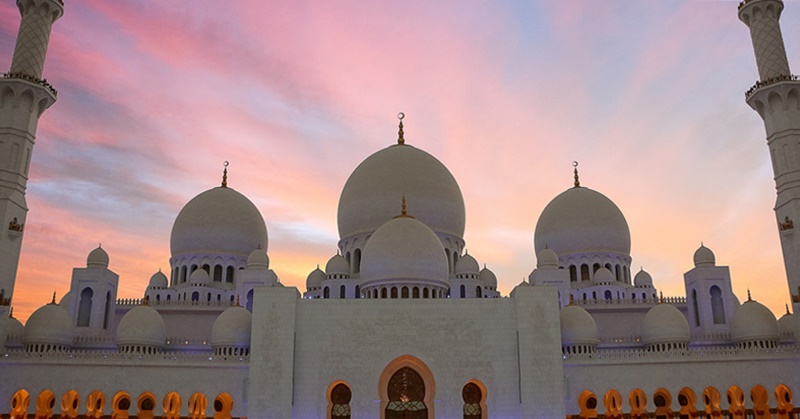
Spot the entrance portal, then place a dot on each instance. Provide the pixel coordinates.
(406, 393)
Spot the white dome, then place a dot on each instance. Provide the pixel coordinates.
(98, 258)
(258, 259)
(200, 276)
(337, 265)
(315, 278)
(232, 328)
(547, 258)
(219, 220)
(372, 193)
(665, 324)
(577, 326)
(786, 324)
(753, 322)
(142, 325)
(158, 280)
(581, 220)
(603, 276)
(467, 265)
(404, 248)
(50, 324)
(643, 279)
(488, 277)
(703, 256)
(12, 326)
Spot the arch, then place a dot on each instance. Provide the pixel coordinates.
(717, 305)
(223, 404)
(587, 402)
(383, 293)
(19, 404)
(195, 297)
(573, 273)
(711, 400)
(394, 292)
(358, 291)
(406, 363)
(85, 307)
(198, 403)
(339, 396)
(326, 292)
(425, 292)
(695, 309)
(120, 404)
(613, 403)
(69, 404)
(585, 272)
(663, 400)
(607, 294)
(688, 402)
(357, 261)
(784, 397)
(474, 396)
(146, 405)
(404, 292)
(638, 402)
(229, 274)
(249, 304)
(478, 293)
(415, 292)
(172, 406)
(760, 398)
(44, 404)
(342, 291)
(463, 291)
(217, 273)
(95, 402)
(736, 403)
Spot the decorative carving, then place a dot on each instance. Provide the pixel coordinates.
(14, 225)
(787, 224)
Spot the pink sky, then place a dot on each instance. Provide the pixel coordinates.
(647, 96)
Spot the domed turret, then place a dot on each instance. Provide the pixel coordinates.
(664, 328)
(230, 334)
(12, 326)
(643, 279)
(467, 267)
(754, 326)
(158, 280)
(200, 277)
(488, 277)
(704, 257)
(547, 259)
(258, 259)
(786, 326)
(98, 258)
(578, 330)
(603, 276)
(141, 330)
(48, 329)
(337, 267)
(315, 278)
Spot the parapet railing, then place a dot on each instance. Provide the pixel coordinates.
(35, 80)
(601, 355)
(772, 80)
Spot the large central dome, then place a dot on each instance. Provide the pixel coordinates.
(372, 194)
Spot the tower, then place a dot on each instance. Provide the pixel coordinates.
(776, 98)
(24, 96)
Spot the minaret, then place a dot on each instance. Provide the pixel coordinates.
(24, 96)
(776, 98)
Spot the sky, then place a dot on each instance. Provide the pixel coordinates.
(647, 96)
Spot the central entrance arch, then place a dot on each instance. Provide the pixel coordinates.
(407, 389)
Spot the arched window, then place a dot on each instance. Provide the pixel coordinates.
(415, 292)
(394, 292)
(406, 391)
(618, 273)
(573, 273)
(85, 307)
(358, 291)
(229, 274)
(595, 267)
(696, 309)
(717, 306)
(107, 313)
(404, 292)
(478, 293)
(217, 273)
(340, 397)
(249, 303)
(171, 406)
(425, 293)
(585, 272)
(463, 290)
(146, 405)
(326, 292)
(183, 274)
(357, 261)
(223, 405)
(207, 268)
(607, 295)
(472, 396)
(342, 291)
(195, 296)
(383, 293)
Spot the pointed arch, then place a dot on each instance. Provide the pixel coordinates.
(172, 406)
(663, 401)
(95, 402)
(120, 404)
(736, 403)
(638, 402)
(85, 307)
(19, 404)
(198, 403)
(338, 395)
(223, 404)
(784, 397)
(474, 396)
(688, 402)
(587, 402)
(711, 400)
(418, 367)
(69, 404)
(146, 405)
(760, 398)
(44, 404)
(613, 403)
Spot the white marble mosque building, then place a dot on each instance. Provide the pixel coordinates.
(402, 322)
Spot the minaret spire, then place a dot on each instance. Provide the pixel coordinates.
(225, 175)
(577, 178)
(400, 139)
(774, 97)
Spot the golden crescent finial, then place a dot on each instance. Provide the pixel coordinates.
(225, 174)
(400, 139)
(577, 180)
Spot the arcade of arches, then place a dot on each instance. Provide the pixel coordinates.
(711, 400)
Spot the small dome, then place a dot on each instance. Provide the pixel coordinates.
(50, 324)
(404, 248)
(467, 265)
(704, 257)
(581, 220)
(665, 324)
(98, 258)
(219, 220)
(786, 324)
(372, 193)
(753, 322)
(488, 277)
(66, 302)
(337, 265)
(12, 326)
(577, 326)
(143, 326)
(315, 278)
(603, 276)
(643, 279)
(200, 276)
(547, 259)
(258, 259)
(232, 328)
(158, 280)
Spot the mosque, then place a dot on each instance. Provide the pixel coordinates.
(402, 322)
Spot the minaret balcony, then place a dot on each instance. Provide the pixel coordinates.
(31, 79)
(759, 84)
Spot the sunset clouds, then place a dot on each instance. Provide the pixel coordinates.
(153, 97)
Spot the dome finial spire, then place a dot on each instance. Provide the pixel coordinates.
(787, 309)
(400, 139)
(749, 298)
(403, 210)
(54, 298)
(577, 180)
(225, 174)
